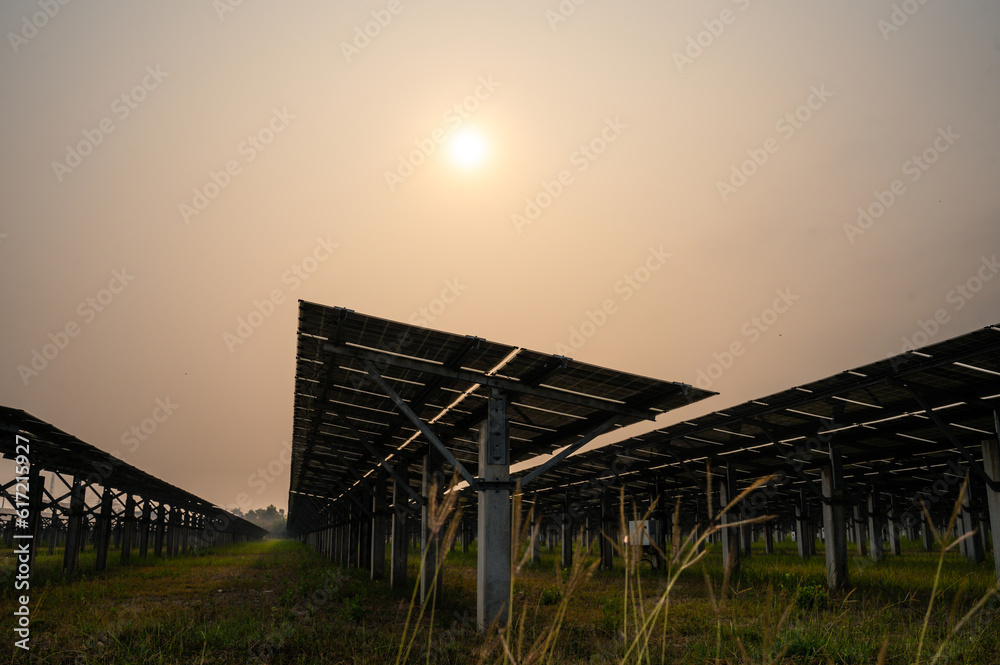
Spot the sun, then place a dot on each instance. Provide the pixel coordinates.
(468, 148)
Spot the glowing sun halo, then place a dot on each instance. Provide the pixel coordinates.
(468, 148)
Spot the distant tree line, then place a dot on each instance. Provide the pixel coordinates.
(271, 518)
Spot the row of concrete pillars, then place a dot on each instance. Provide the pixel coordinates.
(362, 539)
(137, 526)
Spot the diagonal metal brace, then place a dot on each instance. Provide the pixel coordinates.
(376, 454)
(570, 449)
(415, 419)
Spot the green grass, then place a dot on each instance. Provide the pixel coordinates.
(278, 602)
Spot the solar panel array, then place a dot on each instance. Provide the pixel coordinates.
(54, 450)
(898, 423)
(346, 423)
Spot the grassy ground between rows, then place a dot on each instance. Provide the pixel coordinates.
(278, 602)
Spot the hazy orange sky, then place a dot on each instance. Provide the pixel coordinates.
(661, 184)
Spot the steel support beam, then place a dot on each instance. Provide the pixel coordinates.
(603, 427)
(405, 409)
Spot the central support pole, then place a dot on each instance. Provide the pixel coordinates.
(104, 528)
(354, 536)
(834, 525)
(803, 530)
(161, 528)
(494, 543)
(128, 524)
(970, 523)
(730, 535)
(991, 465)
(607, 531)
(860, 532)
(74, 526)
(144, 529)
(567, 533)
(432, 488)
(378, 528)
(397, 574)
(875, 525)
(894, 527)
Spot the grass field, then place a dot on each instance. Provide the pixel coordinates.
(277, 602)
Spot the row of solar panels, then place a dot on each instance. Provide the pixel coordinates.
(54, 450)
(357, 376)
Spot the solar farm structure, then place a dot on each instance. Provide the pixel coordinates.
(854, 457)
(96, 497)
(385, 412)
(377, 400)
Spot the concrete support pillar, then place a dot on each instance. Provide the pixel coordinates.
(354, 534)
(658, 519)
(970, 523)
(991, 464)
(494, 541)
(173, 519)
(746, 532)
(104, 521)
(364, 542)
(161, 529)
(699, 524)
(144, 529)
(537, 535)
(834, 526)
(875, 526)
(927, 534)
(84, 527)
(379, 518)
(803, 529)
(185, 531)
(397, 572)
(730, 535)
(894, 528)
(345, 540)
(54, 531)
(35, 487)
(768, 537)
(860, 532)
(567, 534)
(128, 523)
(605, 541)
(74, 526)
(432, 488)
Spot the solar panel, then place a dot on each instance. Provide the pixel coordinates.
(357, 375)
(877, 413)
(53, 450)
